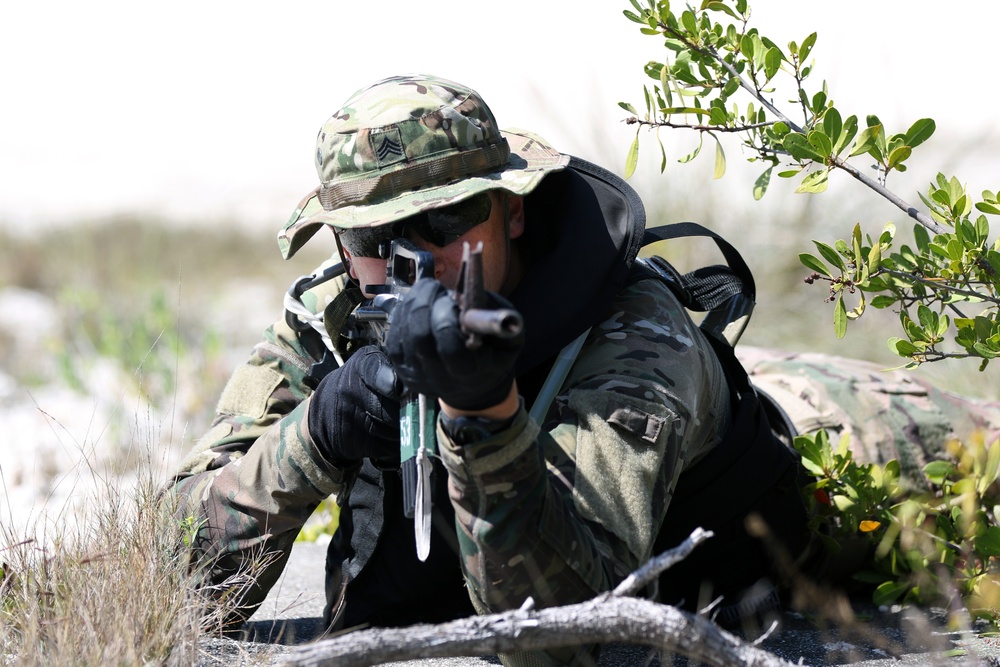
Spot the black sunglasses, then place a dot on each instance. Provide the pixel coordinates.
(440, 226)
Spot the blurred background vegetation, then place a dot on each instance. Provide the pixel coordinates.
(141, 320)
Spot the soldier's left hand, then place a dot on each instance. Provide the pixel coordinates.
(428, 351)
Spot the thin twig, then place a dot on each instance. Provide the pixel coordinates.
(654, 567)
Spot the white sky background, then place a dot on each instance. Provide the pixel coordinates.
(199, 110)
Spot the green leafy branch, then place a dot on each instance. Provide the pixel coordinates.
(931, 539)
(714, 61)
(709, 63)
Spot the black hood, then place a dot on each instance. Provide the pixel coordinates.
(583, 228)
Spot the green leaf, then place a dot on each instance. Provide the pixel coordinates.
(874, 257)
(920, 132)
(665, 82)
(830, 255)
(814, 182)
(888, 592)
(631, 16)
(857, 311)
(760, 185)
(663, 152)
(988, 544)
(866, 140)
(628, 107)
(812, 467)
(693, 154)
(982, 230)
(843, 503)
(720, 160)
(632, 159)
(985, 351)
(897, 156)
(847, 134)
(807, 45)
(988, 208)
(938, 471)
(928, 318)
(840, 317)
(832, 125)
(721, 7)
(903, 348)
(772, 62)
(814, 263)
(883, 301)
(821, 142)
(746, 47)
(991, 469)
(689, 22)
(674, 110)
(819, 102)
(799, 148)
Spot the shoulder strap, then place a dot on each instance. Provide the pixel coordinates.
(726, 293)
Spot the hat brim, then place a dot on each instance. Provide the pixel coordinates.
(531, 159)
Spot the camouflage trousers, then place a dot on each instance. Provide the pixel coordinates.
(889, 414)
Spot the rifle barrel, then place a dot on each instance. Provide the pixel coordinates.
(499, 322)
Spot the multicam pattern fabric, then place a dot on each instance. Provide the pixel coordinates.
(408, 144)
(889, 414)
(563, 511)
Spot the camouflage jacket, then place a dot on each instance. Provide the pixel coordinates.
(559, 511)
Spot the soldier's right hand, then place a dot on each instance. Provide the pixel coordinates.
(354, 412)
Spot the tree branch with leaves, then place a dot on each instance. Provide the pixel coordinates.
(723, 77)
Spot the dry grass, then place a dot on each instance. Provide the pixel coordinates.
(110, 583)
(113, 589)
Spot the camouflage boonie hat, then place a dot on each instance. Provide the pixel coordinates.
(407, 144)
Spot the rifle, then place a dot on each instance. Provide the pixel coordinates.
(369, 324)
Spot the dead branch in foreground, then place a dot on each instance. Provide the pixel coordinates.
(609, 618)
(605, 619)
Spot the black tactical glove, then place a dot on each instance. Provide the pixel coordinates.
(354, 412)
(428, 350)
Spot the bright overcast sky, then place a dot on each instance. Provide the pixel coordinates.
(192, 110)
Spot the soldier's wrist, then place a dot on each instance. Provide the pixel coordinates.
(467, 429)
(505, 409)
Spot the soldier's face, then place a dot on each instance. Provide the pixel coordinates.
(448, 259)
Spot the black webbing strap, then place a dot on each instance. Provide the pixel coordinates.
(692, 280)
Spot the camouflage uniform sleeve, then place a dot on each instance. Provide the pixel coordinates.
(255, 477)
(563, 512)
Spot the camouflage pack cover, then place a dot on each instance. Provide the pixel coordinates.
(412, 143)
